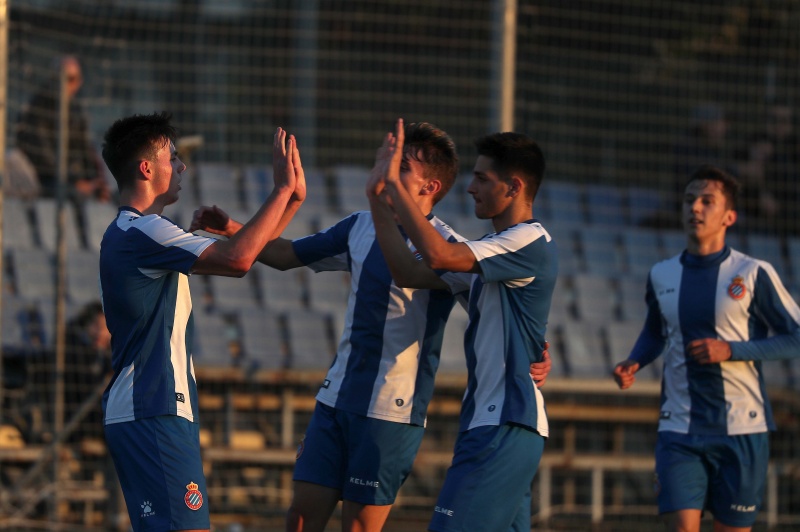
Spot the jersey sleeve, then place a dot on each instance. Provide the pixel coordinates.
(773, 306)
(651, 341)
(512, 254)
(327, 250)
(165, 246)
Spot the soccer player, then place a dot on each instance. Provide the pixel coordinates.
(370, 414)
(150, 405)
(509, 278)
(714, 314)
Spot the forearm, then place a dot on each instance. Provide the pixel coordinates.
(778, 347)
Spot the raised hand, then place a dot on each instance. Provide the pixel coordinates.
(375, 183)
(283, 173)
(213, 220)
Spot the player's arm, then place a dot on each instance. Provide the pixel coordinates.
(235, 256)
(540, 370)
(406, 270)
(438, 253)
(278, 252)
(648, 346)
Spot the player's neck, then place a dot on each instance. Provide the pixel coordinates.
(706, 246)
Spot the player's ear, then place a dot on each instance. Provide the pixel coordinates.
(145, 168)
(515, 186)
(730, 218)
(431, 188)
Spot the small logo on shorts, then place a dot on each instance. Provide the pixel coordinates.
(180, 398)
(665, 414)
(753, 414)
(193, 497)
(326, 383)
(300, 447)
(446, 511)
(492, 408)
(737, 289)
(743, 508)
(399, 402)
(147, 509)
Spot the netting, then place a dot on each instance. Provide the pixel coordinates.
(626, 98)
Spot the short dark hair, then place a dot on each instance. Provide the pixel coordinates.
(730, 185)
(514, 153)
(134, 138)
(436, 150)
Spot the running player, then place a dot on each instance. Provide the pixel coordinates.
(509, 278)
(714, 314)
(150, 406)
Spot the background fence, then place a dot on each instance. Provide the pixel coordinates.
(625, 98)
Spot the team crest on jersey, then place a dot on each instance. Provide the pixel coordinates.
(193, 497)
(737, 289)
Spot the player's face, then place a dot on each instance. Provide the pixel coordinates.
(490, 193)
(167, 173)
(706, 215)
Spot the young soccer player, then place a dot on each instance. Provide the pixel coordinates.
(714, 314)
(509, 277)
(150, 405)
(368, 423)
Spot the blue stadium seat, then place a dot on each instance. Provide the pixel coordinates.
(621, 337)
(263, 339)
(641, 250)
(582, 348)
(595, 299)
(234, 293)
(218, 183)
(18, 224)
(349, 182)
(311, 346)
(768, 248)
(214, 340)
(83, 272)
(605, 205)
(644, 205)
(601, 253)
(562, 201)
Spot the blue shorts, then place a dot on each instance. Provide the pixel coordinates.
(724, 474)
(367, 459)
(488, 485)
(161, 473)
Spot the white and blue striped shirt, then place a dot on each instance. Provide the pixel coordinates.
(144, 263)
(389, 350)
(728, 296)
(509, 302)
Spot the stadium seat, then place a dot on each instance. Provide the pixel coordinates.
(605, 205)
(234, 293)
(595, 299)
(673, 241)
(311, 346)
(470, 227)
(641, 250)
(98, 216)
(21, 323)
(562, 201)
(283, 290)
(583, 351)
(214, 340)
(601, 253)
(644, 205)
(83, 274)
(263, 339)
(349, 182)
(218, 183)
(45, 211)
(18, 224)
(631, 291)
(34, 273)
(565, 237)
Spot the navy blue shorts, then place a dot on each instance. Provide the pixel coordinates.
(161, 473)
(724, 474)
(366, 459)
(488, 485)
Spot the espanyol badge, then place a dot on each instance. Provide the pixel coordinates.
(193, 497)
(737, 289)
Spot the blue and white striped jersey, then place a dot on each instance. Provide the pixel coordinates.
(389, 350)
(144, 262)
(509, 302)
(728, 296)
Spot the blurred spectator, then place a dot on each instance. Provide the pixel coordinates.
(37, 138)
(88, 362)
